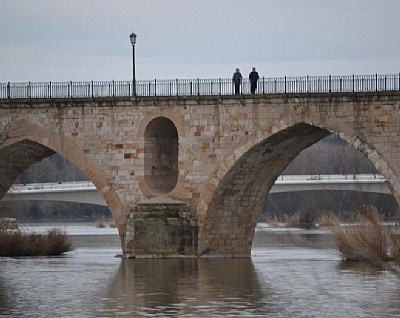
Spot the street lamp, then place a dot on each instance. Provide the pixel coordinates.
(132, 37)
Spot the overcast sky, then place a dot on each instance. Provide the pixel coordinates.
(63, 40)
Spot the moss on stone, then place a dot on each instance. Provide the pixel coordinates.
(165, 214)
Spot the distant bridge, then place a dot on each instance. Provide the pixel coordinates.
(86, 192)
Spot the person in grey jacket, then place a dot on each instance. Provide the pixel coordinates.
(237, 81)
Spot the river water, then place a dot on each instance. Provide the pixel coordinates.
(292, 273)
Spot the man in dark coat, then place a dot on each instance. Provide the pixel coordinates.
(237, 81)
(253, 76)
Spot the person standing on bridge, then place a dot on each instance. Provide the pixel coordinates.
(253, 76)
(237, 81)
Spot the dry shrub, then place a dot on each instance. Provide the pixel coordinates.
(56, 242)
(366, 240)
(272, 221)
(328, 220)
(19, 243)
(100, 224)
(293, 220)
(395, 251)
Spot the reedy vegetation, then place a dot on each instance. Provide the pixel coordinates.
(20, 243)
(367, 239)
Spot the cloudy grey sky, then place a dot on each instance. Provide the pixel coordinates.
(64, 40)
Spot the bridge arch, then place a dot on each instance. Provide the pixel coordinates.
(40, 143)
(233, 196)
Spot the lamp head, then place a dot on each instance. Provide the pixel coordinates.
(132, 37)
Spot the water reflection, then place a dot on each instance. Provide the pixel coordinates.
(6, 301)
(189, 287)
(372, 268)
(287, 237)
(288, 276)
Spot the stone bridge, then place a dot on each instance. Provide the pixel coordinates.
(187, 175)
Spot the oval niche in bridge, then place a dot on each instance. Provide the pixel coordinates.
(161, 155)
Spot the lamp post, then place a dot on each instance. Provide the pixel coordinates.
(132, 37)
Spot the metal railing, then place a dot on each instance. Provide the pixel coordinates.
(52, 187)
(200, 87)
(328, 178)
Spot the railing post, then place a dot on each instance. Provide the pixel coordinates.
(308, 84)
(353, 83)
(263, 85)
(49, 94)
(155, 87)
(385, 83)
(92, 89)
(285, 84)
(376, 82)
(330, 83)
(69, 89)
(8, 90)
(177, 87)
(198, 87)
(28, 92)
(362, 83)
(113, 88)
(220, 87)
(191, 88)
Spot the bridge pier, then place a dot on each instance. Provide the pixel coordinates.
(161, 230)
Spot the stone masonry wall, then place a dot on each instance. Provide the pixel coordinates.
(223, 143)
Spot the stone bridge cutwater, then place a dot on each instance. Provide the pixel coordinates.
(185, 166)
